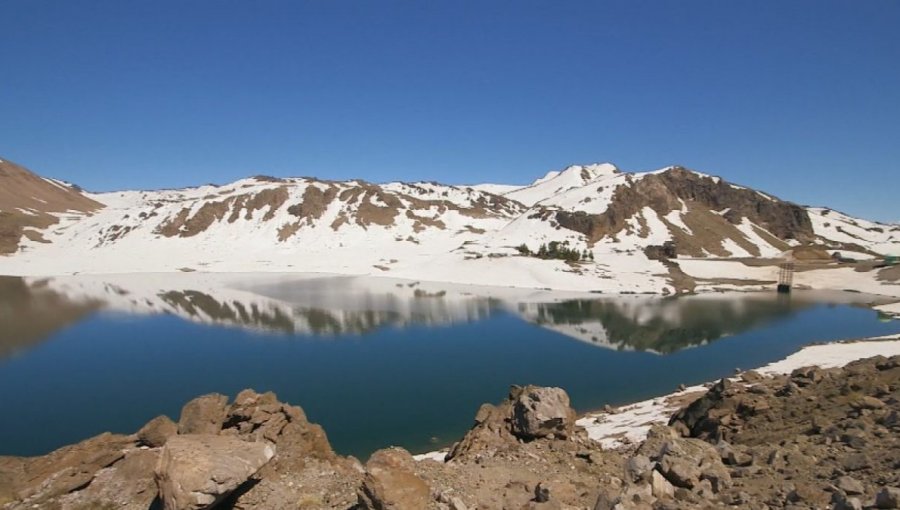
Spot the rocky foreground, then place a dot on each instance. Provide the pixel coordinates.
(817, 438)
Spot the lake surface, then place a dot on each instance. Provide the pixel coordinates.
(377, 362)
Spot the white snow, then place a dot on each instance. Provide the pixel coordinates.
(890, 309)
(437, 456)
(497, 189)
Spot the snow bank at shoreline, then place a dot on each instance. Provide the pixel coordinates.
(630, 423)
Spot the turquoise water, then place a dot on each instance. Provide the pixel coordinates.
(392, 368)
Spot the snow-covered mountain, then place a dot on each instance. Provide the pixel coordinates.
(629, 230)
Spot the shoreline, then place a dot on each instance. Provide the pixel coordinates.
(618, 428)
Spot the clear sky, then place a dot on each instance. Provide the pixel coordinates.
(798, 98)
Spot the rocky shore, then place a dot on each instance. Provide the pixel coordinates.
(814, 438)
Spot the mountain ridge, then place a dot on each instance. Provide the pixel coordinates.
(635, 227)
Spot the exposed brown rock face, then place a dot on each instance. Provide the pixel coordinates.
(361, 203)
(22, 190)
(664, 192)
(184, 224)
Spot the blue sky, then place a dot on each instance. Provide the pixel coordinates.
(799, 98)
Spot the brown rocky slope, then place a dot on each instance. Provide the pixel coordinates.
(27, 204)
(813, 439)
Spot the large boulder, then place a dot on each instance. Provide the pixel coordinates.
(391, 483)
(196, 471)
(541, 412)
(203, 415)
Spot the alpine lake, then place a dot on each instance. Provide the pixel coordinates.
(375, 361)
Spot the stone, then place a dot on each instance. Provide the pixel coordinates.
(638, 468)
(391, 483)
(868, 402)
(888, 497)
(808, 494)
(751, 377)
(841, 501)
(457, 504)
(850, 485)
(660, 487)
(203, 415)
(541, 493)
(681, 472)
(685, 462)
(157, 431)
(539, 412)
(855, 462)
(196, 471)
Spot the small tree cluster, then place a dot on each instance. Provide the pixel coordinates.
(556, 250)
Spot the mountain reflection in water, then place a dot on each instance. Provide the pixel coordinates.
(31, 310)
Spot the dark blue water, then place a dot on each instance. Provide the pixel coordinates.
(416, 386)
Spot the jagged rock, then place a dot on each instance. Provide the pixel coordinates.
(731, 456)
(541, 412)
(261, 417)
(157, 431)
(390, 483)
(695, 420)
(40, 479)
(888, 497)
(686, 462)
(129, 484)
(203, 415)
(196, 471)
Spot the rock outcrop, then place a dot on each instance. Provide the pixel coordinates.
(254, 452)
(528, 413)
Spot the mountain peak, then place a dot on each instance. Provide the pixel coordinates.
(583, 173)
